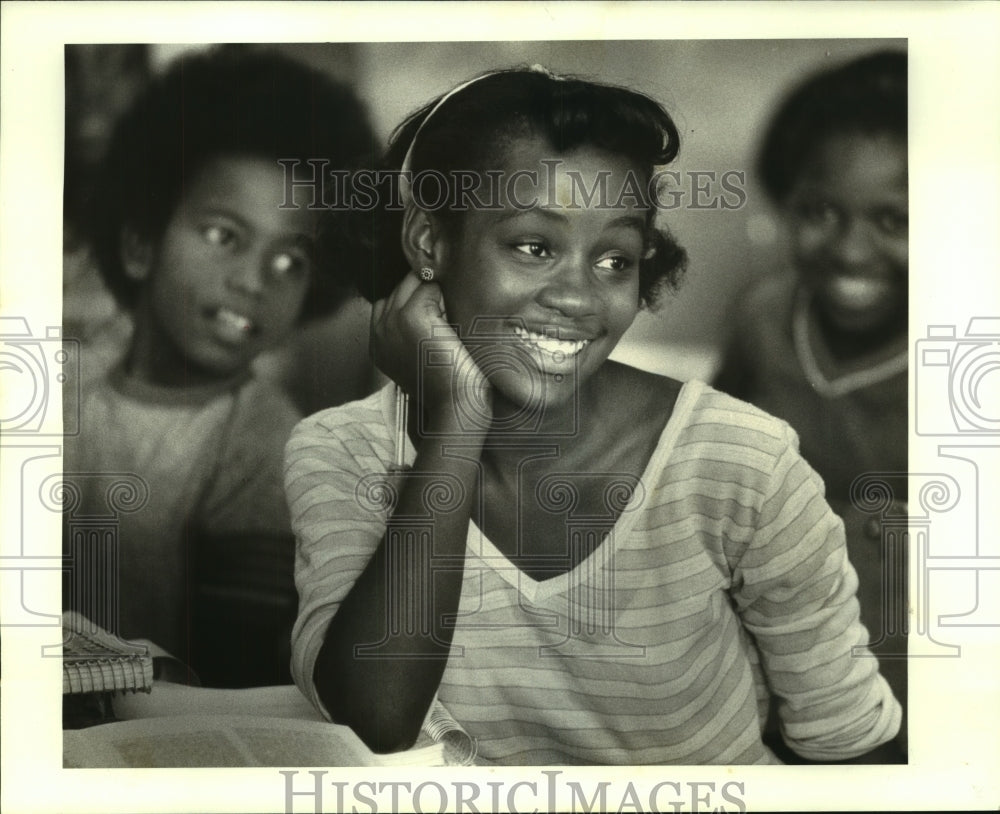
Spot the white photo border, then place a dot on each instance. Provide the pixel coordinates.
(954, 190)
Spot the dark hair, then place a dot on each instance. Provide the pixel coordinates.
(866, 96)
(471, 128)
(229, 100)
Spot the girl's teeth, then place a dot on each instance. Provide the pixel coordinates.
(857, 292)
(550, 344)
(233, 320)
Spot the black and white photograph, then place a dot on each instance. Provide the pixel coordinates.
(499, 407)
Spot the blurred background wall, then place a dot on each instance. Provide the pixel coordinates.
(721, 93)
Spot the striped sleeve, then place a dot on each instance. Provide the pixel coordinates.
(795, 590)
(338, 522)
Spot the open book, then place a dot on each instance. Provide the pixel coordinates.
(186, 727)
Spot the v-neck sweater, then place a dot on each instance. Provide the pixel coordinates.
(721, 583)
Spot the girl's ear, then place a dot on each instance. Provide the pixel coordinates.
(423, 240)
(136, 254)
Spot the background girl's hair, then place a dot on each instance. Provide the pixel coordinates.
(228, 100)
(471, 130)
(865, 96)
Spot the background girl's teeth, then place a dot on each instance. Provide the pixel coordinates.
(857, 291)
(234, 319)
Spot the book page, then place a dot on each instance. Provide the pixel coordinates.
(258, 726)
(168, 699)
(189, 741)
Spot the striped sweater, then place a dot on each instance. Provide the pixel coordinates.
(723, 583)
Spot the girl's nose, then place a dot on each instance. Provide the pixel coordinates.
(853, 244)
(248, 273)
(570, 290)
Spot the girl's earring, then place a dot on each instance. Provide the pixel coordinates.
(426, 274)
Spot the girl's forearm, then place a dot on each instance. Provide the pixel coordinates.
(386, 649)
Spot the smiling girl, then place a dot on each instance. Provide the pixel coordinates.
(195, 240)
(826, 347)
(584, 562)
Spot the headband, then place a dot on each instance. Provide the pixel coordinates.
(404, 170)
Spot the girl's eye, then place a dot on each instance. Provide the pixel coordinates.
(533, 248)
(285, 265)
(218, 235)
(615, 262)
(892, 223)
(819, 213)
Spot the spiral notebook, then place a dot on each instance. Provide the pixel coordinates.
(95, 660)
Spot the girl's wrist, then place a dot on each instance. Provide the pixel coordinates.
(468, 423)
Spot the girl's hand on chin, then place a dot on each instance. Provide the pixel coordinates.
(410, 328)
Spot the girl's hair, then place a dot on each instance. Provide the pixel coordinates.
(867, 96)
(471, 128)
(229, 100)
